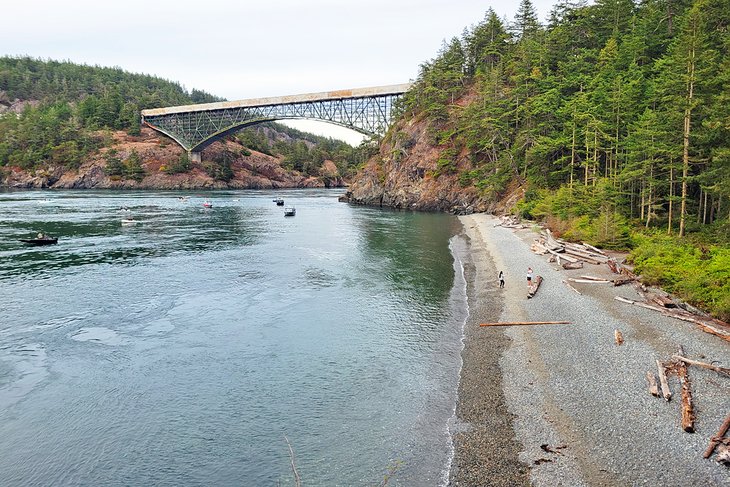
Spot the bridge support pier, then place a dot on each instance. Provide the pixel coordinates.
(195, 156)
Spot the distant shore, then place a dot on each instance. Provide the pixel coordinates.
(563, 404)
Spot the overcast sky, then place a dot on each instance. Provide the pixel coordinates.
(243, 49)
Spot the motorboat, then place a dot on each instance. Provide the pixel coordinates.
(207, 204)
(279, 201)
(41, 239)
(290, 211)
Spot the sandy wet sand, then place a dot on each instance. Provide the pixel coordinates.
(563, 404)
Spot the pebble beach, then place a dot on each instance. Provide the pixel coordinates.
(563, 404)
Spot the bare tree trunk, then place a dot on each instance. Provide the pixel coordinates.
(572, 155)
(648, 205)
(687, 125)
(671, 197)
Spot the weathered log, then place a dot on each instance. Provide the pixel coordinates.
(666, 392)
(715, 440)
(688, 414)
(594, 249)
(534, 286)
(613, 265)
(706, 327)
(588, 281)
(573, 265)
(653, 386)
(620, 281)
(664, 301)
(573, 249)
(618, 337)
(524, 323)
(551, 243)
(593, 278)
(583, 257)
(721, 370)
(563, 256)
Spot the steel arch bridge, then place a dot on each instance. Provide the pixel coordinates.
(365, 110)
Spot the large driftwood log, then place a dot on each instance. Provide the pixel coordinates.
(666, 392)
(573, 265)
(524, 323)
(584, 257)
(717, 439)
(653, 386)
(593, 278)
(620, 281)
(704, 325)
(664, 301)
(589, 281)
(721, 370)
(570, 259)
(594, 249)
(688, 413)
(534, 286)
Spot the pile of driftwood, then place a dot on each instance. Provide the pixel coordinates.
(677, 366)
(566, 254)
(574, 256)
(510, 222)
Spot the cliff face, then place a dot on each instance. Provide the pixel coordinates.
(405, 174)
(254, 171)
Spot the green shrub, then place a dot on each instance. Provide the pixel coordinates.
(698, 274)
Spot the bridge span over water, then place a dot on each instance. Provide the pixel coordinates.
(365, 110)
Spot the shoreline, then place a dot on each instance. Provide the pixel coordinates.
(563, 404)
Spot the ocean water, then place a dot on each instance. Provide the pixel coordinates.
(163, 343)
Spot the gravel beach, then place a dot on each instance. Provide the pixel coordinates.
(563, 404)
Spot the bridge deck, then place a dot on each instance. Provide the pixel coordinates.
(281, 100)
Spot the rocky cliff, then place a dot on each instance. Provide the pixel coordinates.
(412, 172)
(253, 171)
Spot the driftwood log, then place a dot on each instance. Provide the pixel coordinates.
(653, 386)
(704, 324)
(573, 265)
(688, 414)
(721, 370)
(620, 281)
(618, 336)
(521, 323)
(534, 286)
(717, 439)
(666, 392)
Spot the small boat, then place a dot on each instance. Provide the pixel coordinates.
(290, 211)
(41, 239)
(129, 221)
(207, 204)
(279, 201)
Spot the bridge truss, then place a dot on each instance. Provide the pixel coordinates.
(366, 110)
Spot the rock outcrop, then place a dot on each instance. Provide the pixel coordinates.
(251, 170)
(405, 174)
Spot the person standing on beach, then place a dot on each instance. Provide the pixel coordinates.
(529, 277)
(501, 279)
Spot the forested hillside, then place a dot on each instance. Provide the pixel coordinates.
(60, 115)
(611, 118)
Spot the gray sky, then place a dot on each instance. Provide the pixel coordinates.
(243, 49)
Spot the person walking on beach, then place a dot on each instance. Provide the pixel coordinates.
(501, 279)
(529, 277)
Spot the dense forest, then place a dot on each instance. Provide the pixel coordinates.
(614, 116)
(66, 109)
